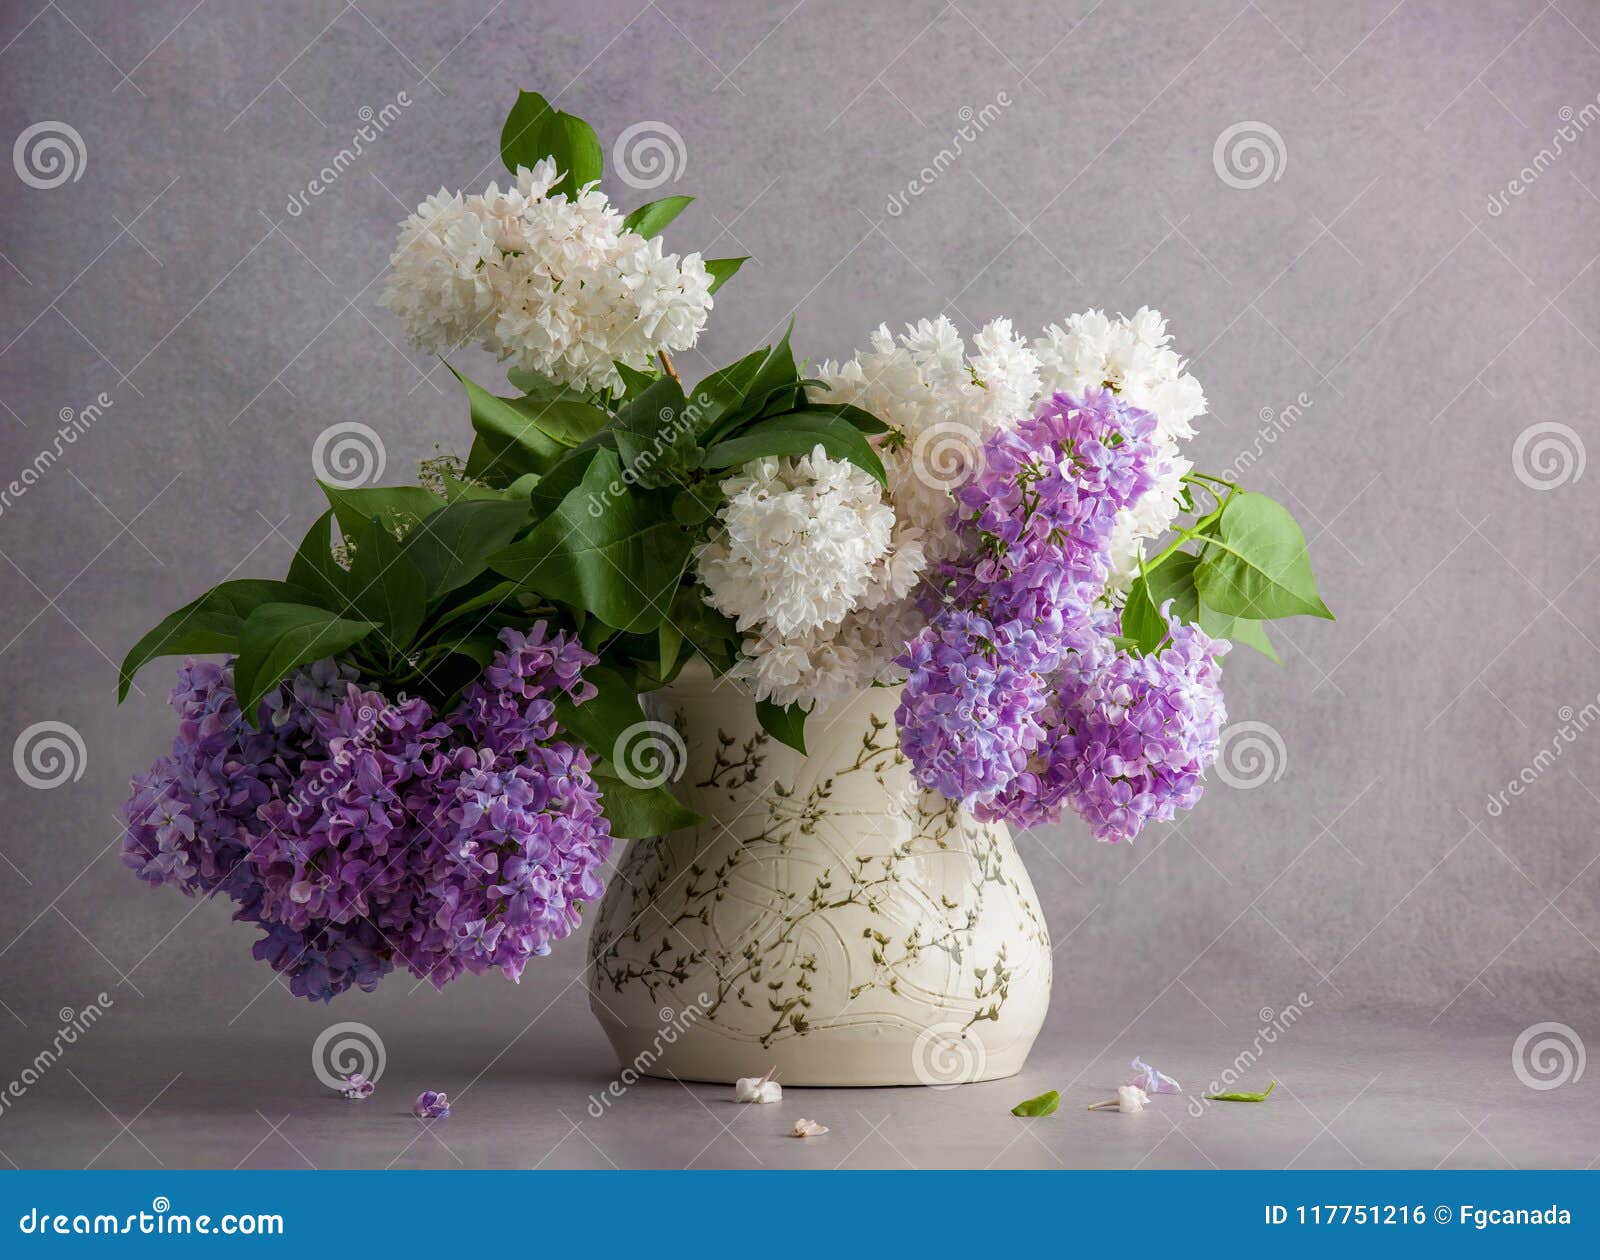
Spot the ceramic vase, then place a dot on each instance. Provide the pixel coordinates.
(829, 920)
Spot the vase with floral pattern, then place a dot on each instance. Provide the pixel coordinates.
(828, 921)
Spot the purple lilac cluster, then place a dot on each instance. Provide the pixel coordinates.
(363, 833)
(1017, 701)
(1129, 737)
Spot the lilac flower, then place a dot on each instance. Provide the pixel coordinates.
(431, 1105)
(1018, 702)
(357, 1088)
(362, 832)
(1036, 522)
(1152, 1081)
(968, 716)
(1131, 737)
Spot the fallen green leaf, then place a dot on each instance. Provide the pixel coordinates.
(1045, 1104)
(1245, 1096)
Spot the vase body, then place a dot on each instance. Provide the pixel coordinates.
(828, 920)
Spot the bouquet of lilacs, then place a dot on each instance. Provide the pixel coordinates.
(1002, 573)
(417, 746)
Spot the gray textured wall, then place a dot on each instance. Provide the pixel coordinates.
(1367, 275)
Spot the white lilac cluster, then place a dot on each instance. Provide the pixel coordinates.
(941, 402)
(806, 553)
(551, 282)
(1132, 357)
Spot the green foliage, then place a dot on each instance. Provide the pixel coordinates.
(276, 637)
(722, 269)
(205, 625)
(1046, 1104)
(536, 129)
(640, 813)
(603, 549)
(785, 723)
(1255, 565)
(519, 436)
(649, 219)
(1244, 1095)
(1251, 566)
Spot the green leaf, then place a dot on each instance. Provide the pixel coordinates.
(396, 506)
(315, 571)
(453, 545)
(457, 490)
(640, 813)
(1045, 1104)
(602, 720)
(669, 640)
(864, 421)
(1252, 634)
(1172, 579)
(498, 593)
(276, 637)
(722, 269)
(527, 381)
(604, 550)
(209, 624)
(536, 129)
(655, 443)
(1256, 564)
(797, 434)
(785, 723)
(1243, 1096)
(479, 648)
(546, 496)
(516, 436)
(741, 390)
(386, 588)
(634, 382)
(650, 218)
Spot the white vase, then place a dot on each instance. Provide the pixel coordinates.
(829, 920)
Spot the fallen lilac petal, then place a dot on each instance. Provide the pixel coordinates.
(1130, 1100)
(807, 1129)
(431, 1105)
(1151, 1081)
(357, 1087)
(757, 1089)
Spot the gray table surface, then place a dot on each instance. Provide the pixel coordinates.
(1353, 1092)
